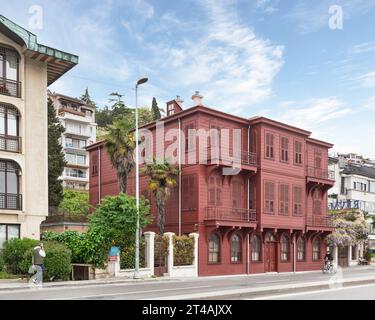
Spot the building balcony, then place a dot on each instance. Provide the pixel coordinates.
(323, 223)
(225, 157)
(10, 201)
(10, 143)
(10, 87)
(317, 176)
(230, 216)
(78, 116)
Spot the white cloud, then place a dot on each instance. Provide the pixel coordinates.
(363, 48)
(367, 80)
(370, 103)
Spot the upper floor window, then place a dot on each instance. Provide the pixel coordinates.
(75, 143)
(170, 109)
(9, 66)
(214, 249)
(10, 197)
(284, 149)
(297, 201)
(94, 165)
(75, 159)
(188, 193)
(318, 159)
(269, 205)
(190, 137)
(284, 199)
(270, 140)
(9, 128)
(298, 152)
(235, 248)
(237, 193)
(317, 202)
(214, 190)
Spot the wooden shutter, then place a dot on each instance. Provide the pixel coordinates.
(269, 197)
(269, 145)
(284, 199)
(284, 149)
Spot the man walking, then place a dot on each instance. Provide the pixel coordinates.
(38, 262)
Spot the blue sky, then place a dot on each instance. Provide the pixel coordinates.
(276, 58)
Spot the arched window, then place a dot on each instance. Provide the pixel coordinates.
(214, 249)
(214, 190)
(317, 202)
(10, 197)
(316, 249)
(301, 252)
(285, 248)
(256, 247)
(9, 65)
(237, 193)
(9, 128)
(236, 249)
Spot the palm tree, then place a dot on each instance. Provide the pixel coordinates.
(163, 177)
(121, 144)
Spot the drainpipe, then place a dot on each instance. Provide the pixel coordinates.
(100, 175)
(248, 207)
(294, 255)
(179, 178)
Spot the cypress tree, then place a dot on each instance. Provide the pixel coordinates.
(56, 157)
(156, 114)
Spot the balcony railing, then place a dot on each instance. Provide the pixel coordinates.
(10, 87)
(320, 173)
(10, 143)
(225, 155)
(10, 201)
(319, 221)
(231, 214)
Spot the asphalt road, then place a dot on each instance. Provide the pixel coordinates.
(363, 292)
(176, 289)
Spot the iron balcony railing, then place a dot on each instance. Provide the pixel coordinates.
(231, 214)
(10, 201)
(225, 155)
(319, 221)
(10, 87)
(10, 143)
(320, 173)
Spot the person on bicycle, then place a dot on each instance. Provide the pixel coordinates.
(328, 258)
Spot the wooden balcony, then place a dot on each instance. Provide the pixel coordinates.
(10, 87)
(225, 157)
(10, 143)
(317, 176)
(320, 223)
(223, 216)
(10, 201)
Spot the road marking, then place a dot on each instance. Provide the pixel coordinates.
(310, 293)
(273, 281)
(127, 293)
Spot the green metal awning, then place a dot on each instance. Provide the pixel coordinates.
(58, 62)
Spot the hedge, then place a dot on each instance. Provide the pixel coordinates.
(2, 264)
(183, 251)
(127, 255)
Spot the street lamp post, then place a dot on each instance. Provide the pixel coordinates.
(136, 270)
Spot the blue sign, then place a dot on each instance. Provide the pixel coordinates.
(115, 251)
(345, 204)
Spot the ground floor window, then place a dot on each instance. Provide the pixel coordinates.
(285, 248)
(354, 253)
(214, 249)
(256, 249)
(316, 249)
(236, 252)
(301, 249)
(8, 232)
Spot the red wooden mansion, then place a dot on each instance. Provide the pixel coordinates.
(271, 216)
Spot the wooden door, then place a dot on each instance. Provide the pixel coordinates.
(343, 257)
(270, 257)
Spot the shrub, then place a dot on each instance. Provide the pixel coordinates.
(75, 202)
(13, 254)
(183, 251)
(127, 255)
(57, 262)
(2, 265)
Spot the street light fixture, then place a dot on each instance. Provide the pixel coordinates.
(136, 270)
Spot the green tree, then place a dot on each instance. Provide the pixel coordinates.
(162, 177)
(56, 158)
(156, 114)
(121, 145)
(75, 202)
(86, 98)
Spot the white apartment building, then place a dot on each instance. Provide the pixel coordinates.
(27, 68)
(78, 120)
(354, 188)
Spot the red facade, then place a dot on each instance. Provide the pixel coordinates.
(270, 217)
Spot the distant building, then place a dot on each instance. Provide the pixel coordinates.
(27, 68)
(78, 120)
(354, 189)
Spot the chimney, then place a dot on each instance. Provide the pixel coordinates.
(197, 98)
(180, 101)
